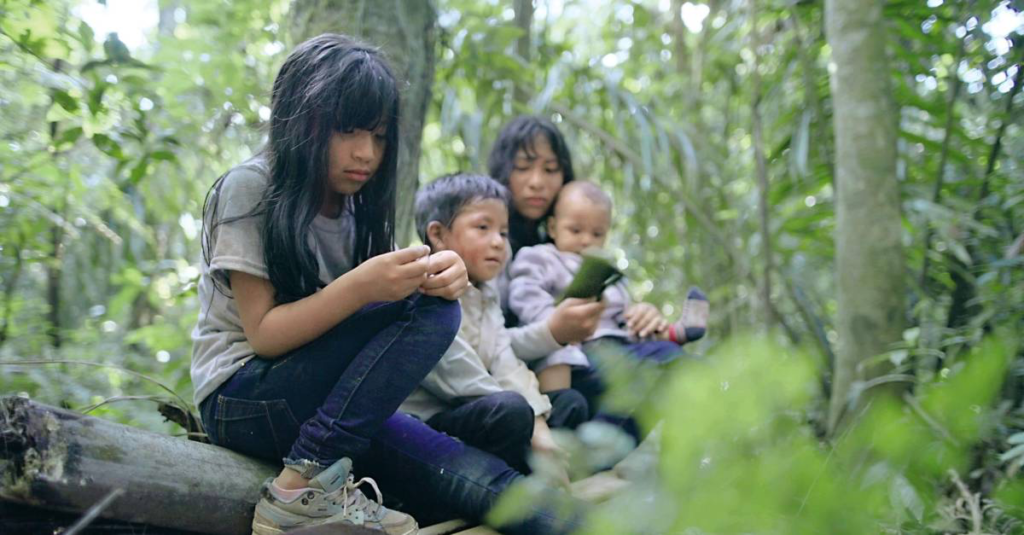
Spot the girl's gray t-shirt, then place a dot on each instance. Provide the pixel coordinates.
(219, 346)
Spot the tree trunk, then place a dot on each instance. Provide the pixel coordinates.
(62, 460)
(762, 172)
(869, 255)
(407, 32)
(10, 287)
(167, 22)
(524, 21)
(54, 272)
(679, 50)
(55, 266)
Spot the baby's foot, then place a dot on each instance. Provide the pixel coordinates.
(694, 321)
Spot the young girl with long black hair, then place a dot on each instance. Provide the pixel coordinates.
(312, 329)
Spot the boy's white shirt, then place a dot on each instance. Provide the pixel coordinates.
(481, 360)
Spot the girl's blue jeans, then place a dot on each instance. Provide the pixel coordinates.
(336, 397)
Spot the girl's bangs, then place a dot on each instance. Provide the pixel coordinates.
(525, 138)
(367, 96)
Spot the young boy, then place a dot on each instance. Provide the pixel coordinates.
(540, 274)
(480, 392)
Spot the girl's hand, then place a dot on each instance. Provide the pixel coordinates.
(643, 320)
(575, 320)
(393, 276)
(447, 276)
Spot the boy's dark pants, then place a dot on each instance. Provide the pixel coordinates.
(502, 423)
(435, 477)
(589, 381)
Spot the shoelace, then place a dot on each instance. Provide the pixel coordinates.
(352, 484)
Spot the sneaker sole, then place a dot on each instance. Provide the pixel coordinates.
(264, 528)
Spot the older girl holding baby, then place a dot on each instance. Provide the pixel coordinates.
(532, 158)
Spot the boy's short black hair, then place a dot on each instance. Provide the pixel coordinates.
(443, 199)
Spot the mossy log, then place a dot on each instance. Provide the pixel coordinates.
(61, 460)
(57, 460)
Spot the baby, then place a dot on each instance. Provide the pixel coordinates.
(540, 274)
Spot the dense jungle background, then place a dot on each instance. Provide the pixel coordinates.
(849, 193)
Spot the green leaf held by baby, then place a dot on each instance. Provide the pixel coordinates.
(596, 273)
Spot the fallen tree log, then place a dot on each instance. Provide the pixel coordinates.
(62, 460)
(57, 460)
(18, 519)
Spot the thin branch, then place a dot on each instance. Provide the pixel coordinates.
(114, 399)
(993, 156)
(815, 324)
(24, 48)
(936, 426)
(786, 327)
(94, 511)
(956, 84)
(887, 379)
(99, 365)
(54, 217)
(832, 449)
(194, 435)
(10, 286)
(971, 500)
(1015, 248)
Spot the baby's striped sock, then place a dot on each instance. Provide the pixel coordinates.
(694, 321)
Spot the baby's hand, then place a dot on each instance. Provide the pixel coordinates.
(644, 319)
(575, 320)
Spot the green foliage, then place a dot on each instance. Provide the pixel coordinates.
(107, 151)
(737, 455)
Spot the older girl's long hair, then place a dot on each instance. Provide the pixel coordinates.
(328, 84)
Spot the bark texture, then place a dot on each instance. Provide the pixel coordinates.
(869, 254)
(61, 460)
(524, 21)
(407, 32)
(763, 192)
